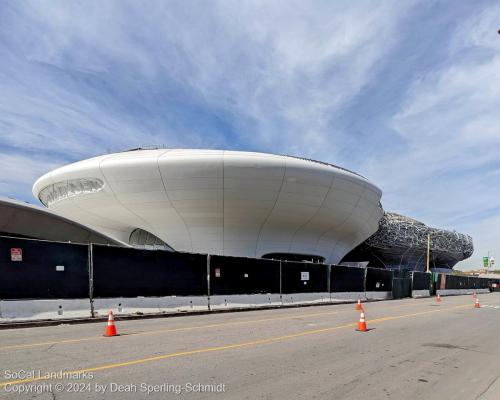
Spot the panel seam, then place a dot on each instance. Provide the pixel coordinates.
(116, 197)
(168, 198)
(313, 216)
(273, 208)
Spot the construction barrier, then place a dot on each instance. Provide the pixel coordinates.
(456, 282)
(378, 280)
(299, 277)
(70, 277)
(127, 272)
(401, 287)
(240, 275)
(420, 280)
(347, 279)
(33, 269)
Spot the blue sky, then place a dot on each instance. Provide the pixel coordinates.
(406, 93)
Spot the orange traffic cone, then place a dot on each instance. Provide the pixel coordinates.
(359, 306)
(477, 305)
(362, 323)
(111, 328)
(438, 298)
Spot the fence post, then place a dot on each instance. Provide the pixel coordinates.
(364, 280)
(281, 287)
(328, 283)
(208, 281)
(90, 261)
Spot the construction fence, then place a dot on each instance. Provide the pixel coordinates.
(33, 269)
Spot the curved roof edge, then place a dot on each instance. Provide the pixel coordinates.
(21, 219)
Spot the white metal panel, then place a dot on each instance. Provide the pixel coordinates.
(224, 202)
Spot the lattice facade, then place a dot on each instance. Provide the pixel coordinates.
(398, 230)
(401, 243)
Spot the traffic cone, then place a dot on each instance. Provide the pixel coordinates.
(477, 305)
(359, 306)
(362, 323)
(110, 328)
(438, 298)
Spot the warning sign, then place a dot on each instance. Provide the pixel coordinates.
(16, 254)
(304, 276)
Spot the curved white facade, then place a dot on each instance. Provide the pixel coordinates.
(218, 202)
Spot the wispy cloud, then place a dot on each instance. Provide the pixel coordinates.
(406, 93)
(449, 122)
(191, 73)
(19, 172)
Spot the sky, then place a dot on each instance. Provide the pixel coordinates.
(406, 93)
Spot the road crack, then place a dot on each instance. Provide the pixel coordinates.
(487, 387)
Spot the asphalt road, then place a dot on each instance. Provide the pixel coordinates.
(414, 349)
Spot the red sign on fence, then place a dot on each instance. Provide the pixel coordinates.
(16, 254)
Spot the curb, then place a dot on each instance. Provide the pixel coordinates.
(128, 317)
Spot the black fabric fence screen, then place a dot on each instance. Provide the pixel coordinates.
(482, 283)
(239, 275)
(456, 282)
(473, 282)
(421, 281)
(304, 277)
(31, 269)
(401, 287)
(378, 280)
(126, 272)
(347, 279)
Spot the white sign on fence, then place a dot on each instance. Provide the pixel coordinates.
(16, 254)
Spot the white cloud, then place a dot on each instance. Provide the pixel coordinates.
(282, 68)
(450, 122)
(19, 172)
(79, 79)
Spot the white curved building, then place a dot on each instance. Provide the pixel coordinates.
(218, 202)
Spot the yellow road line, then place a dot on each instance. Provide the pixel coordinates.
(168, 330)
(228, 347)
(187, 328)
